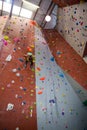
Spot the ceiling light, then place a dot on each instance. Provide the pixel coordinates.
(47, 18)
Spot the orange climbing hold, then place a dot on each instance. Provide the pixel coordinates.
(42, 78)
(33, 22)
(40, 92)
(29, 49)
(38, 68)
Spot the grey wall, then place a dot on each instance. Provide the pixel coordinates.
(52, 23)
(72, 25)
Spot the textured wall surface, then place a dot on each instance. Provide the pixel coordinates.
(72, 25)
(58, 106)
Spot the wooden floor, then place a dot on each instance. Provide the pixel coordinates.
(66, 57)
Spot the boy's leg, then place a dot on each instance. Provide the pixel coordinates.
(25, 64)
(31, 64)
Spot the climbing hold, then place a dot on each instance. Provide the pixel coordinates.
(17, 128)
(18, 68)
(42, 78)
(12, 81)
(16, 95)
(61, 75)
(23, 103)
(24, 89)
(8, 85)
(31, 111)
(63, 113)
(38, 68)
(66, 126)
(33, 23)
(52, 59)
(32, 46)
(38, 52)
(9, 106)
(31, 94)
(5, 42)
(58, 52)
(19, 48)
(29, 49)
(29, 53)
(6, 37)
(85, 103)
(14, 70)
(17, 74)
(21, 59)
(16, 39)
(8, 58)
(32, 91)
(2, 88)
(40, 92)
(52, 101)
(27, 117)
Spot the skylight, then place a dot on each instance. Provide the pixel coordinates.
(16, 10)
(0, 5)
(6, 7)
(26, 13)
(29, 5)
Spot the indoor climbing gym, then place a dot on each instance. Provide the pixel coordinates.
(43, 64)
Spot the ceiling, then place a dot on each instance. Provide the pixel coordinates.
(64, 3)
(46, 7)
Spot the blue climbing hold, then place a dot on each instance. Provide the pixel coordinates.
(61, 75)
(52, 58)
(21, 59)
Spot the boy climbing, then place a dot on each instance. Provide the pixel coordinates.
(31, 61)
(28, 58)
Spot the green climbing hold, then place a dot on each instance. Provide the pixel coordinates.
(38, 52)
(85, 103)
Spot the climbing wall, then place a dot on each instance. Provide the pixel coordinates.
(72, 25)
(3, 20)
(17, 83)
(58, 107)
(66, 57)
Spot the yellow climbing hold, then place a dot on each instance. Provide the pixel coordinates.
(6, 37)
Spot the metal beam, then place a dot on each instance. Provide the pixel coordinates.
(2, 7)
(21, 7)
(11, 9)
(37, 9)
(47, 11)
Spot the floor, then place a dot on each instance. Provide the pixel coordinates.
(38, 98)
